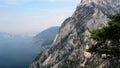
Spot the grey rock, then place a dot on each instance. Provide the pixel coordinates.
(69, 49)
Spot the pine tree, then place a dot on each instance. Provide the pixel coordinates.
(108, 38)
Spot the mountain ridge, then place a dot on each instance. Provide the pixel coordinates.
(69, 49)
(43, 38)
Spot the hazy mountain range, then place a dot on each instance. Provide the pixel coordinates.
(47, 36)
(18, 51)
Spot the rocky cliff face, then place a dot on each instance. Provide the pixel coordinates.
(69, 49)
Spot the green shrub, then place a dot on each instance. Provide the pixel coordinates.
(110, 33)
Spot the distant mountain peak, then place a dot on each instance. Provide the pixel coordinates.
(73, 39)
(83, 2)
(112, 3)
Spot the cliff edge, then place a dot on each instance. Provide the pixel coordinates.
(69, 49)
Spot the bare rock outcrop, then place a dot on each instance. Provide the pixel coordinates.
(69, 49)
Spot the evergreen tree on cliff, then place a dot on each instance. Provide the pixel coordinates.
(108, 38)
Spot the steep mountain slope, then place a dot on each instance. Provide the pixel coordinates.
(47, 36)
(69, 47)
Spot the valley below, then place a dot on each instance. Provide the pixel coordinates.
(17, 51)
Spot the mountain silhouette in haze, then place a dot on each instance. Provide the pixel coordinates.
(47, 36)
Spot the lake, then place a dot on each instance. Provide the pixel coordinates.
(17, 52)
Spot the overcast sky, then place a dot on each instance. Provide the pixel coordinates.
(33, 16)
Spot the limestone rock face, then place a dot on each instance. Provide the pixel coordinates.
(69, 47)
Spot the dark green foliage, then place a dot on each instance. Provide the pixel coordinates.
(108, 38)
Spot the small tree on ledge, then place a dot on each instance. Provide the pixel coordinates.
(108, 38)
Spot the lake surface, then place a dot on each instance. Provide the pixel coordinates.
(17, 52)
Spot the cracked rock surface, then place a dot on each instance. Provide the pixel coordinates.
(69, 49)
